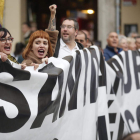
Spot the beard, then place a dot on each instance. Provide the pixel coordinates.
(68, 38)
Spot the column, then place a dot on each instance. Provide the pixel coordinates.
(106, 19)
(14, 16)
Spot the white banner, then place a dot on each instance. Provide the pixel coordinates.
(79, 97)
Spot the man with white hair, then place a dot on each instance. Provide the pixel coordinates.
(112, 46)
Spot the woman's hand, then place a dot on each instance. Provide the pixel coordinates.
(35, 65)
(45, 60)
(23, 66)
(53, 9)
(3, 56)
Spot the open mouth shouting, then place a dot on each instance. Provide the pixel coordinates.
(41, 52)
(40, 47)
(7, 48)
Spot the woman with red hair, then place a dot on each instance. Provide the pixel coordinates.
(41, 43)
(38, 48)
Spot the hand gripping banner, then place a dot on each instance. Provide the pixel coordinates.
(78, 97)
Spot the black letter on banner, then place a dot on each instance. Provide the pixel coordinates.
(127, 87)
(102, 129)
(73, 98)
(138, 115)
(86, 66)
(121, 128)
(128, 117)
(45, 105)
(14, 96)
(119, 74)
(93, 89)
(102, 78)
(69, 83)
(135, 54)
(16, 73)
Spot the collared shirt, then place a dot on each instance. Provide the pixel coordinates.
(109, 52)
(64, 49)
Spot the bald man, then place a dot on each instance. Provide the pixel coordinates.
(112, 46)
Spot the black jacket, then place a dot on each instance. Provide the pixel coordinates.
(80, 46)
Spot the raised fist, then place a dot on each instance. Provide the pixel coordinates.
(53, 8)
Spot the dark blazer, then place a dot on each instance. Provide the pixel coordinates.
(80, 46)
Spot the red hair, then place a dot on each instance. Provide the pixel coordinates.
(37, 34)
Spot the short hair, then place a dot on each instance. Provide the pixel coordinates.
(110, 33)
(121, 37)
(5, 31)
(27, 23)
(81, 32)
(130, 40)
(76, 25)
(34, 35)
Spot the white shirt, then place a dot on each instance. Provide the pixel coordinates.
(64, 49)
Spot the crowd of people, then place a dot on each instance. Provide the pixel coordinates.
(72, 39)
(116, 43)
(39, 45)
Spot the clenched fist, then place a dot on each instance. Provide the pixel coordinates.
(53, 8)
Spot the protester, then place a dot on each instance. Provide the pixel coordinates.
(138, 42)
(112, 46)
(26, 29)
(6, 46)
(131, 44)
(41, 45)
(123, 43)
(38, 49)
(82, 38)
(18, 52)
(66, 44)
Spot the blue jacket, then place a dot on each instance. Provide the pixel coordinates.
(109, 52)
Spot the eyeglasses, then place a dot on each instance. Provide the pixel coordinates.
(4, 40)
(66, 26)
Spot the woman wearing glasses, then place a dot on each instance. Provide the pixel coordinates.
(31, 57)
(41, 44)
(6, 46)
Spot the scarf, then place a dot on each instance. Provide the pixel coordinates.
(32, 59)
